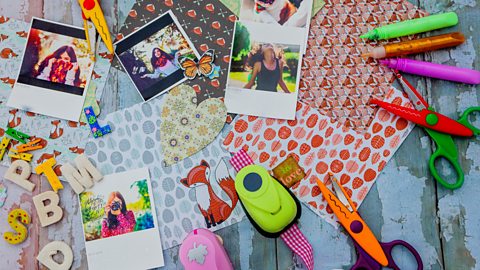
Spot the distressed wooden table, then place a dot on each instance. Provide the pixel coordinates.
(406, 203)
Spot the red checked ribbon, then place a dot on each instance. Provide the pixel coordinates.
(293, 237)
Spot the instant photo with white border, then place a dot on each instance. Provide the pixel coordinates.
(139, 36)
(259, 102)
(274, 14)
(133, 250)
(45, 97)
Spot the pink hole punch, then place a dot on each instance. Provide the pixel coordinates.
(203, 250)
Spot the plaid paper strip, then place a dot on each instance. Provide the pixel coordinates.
(297, 242)
(293, 237)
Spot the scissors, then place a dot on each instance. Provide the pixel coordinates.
(372, 254)
(439, 127)
(92, 11)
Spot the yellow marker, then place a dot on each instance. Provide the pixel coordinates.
(4, 146)
(47, 169)
(30, 146)
(91, 10)
(22, 156)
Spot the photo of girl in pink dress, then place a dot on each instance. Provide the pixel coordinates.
(118, 219)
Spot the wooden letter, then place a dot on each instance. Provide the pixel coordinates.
(51, 213)
(47, 169)
(17, 225)
(81, 177)
(22, 178)
(45, 256)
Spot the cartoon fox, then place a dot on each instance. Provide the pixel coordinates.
(209, 189)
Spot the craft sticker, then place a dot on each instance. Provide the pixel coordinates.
(336, 80)
(264, 70)
(206, 182)
(187, 128)
(120, 211)
(204, 66)
(322, 145)
(136, 143)
(55, 71)
(151, 55)
(208, 24)
(288, 172)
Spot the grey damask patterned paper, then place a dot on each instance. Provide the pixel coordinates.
(135, 143)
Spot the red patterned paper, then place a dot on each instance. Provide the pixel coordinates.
(335, 78)
(320, 144)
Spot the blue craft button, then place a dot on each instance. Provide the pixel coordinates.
(356, 226)
(252, 182)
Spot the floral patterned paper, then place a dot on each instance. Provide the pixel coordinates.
(188, 128)
(320, 144)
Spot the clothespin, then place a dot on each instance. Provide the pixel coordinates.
(4, 146)
(23, 156)
(17, 135)
(30, 146)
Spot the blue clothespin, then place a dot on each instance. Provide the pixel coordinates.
(95, 127)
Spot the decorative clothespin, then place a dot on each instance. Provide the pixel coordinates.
(30, 146)
(17, 135)
(23, 156)
(4, 146)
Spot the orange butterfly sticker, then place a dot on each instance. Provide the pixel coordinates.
(204, 66)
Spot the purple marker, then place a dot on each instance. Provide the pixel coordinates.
(443, 72)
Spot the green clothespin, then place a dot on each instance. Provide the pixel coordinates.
(17, 135)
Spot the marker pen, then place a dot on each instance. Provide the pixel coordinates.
(414, 26)
(438, 71)
(417, 45)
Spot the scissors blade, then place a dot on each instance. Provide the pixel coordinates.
(418, 101)
(353, 223)
(339, 192)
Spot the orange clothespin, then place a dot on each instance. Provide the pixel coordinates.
(30, 146)
(23, 156)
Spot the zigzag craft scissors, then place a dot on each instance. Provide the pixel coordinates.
(92, 11)
(439, 127)
(371, 254)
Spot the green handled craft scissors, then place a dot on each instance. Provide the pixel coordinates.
(439, 127)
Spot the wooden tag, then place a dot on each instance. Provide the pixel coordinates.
(289, 172)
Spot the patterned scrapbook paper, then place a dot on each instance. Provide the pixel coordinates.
(208, 24)
(235, 5)
(320, 144)
(64, 139)
(135, 143)
(336, 80)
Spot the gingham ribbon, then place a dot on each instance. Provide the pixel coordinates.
(293, 237)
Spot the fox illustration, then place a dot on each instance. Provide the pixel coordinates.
(209, 189)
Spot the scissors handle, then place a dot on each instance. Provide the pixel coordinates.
(445, 149)
(388, 247)
(464, 120)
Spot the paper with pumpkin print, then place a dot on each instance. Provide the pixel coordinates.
(322, 145)
(208, 24)
(62, 139)
(187, 128)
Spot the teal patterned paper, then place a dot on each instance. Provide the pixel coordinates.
(64, 139)
(136, 142)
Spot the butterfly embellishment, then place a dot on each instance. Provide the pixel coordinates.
(204, 66)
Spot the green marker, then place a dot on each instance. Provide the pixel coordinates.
(414, 26)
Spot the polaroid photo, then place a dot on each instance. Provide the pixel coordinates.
(55, 72)
(264, 71)
(120, 223)
(151, 55)
(283, 13)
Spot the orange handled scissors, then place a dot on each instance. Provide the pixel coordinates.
(371, 253)
(91, 10)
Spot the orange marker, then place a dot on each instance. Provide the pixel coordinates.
(417, 46)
